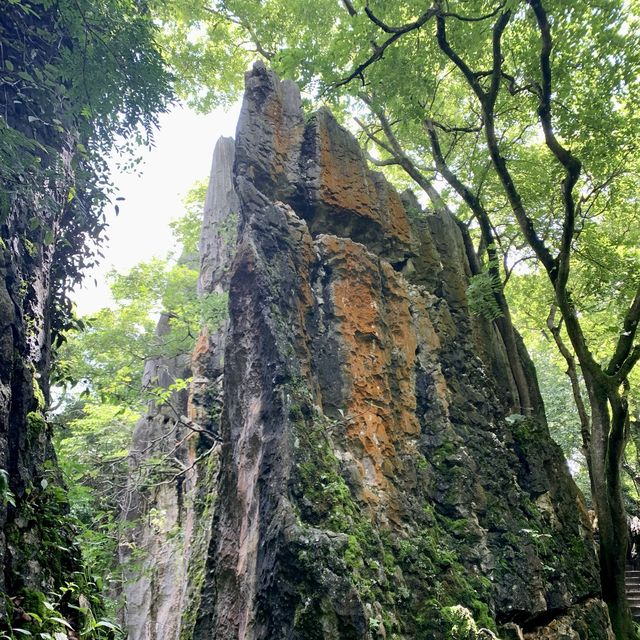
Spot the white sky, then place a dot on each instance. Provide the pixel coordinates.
(153, 196)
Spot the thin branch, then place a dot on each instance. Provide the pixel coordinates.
(572, 373)
(628, 364)
(185, 470)
(374, 138)
(487, 16)
(389, 162)
(394, 148)
(378, 50)
(509, 270)
(265, 53)
(624, 346)
(449, 129)
(349, 7)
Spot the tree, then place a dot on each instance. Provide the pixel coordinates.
(77, 79)
(528, 111)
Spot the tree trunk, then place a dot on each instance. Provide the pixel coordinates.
(606, 459)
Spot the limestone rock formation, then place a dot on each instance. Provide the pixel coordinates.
(375, 476)
(36, 540)
(377, 479)
(165, 546)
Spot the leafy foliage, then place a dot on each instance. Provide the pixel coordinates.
(105, 361)
(103, 391)
(480, 294)
(79, 79)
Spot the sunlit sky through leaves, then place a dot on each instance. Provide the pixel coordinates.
(153, 195)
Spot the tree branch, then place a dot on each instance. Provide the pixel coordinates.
(443, 43)
(378, 53)
(624, 345)
(571, 164)
(396, 151)
(349, 7)
(628, 364)
(486, 16)
(572, 373)
(487, 102)
(448, 129)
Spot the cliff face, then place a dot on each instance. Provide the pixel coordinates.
(169, 514)
(36, 550)
(375, 476)
(376, 473)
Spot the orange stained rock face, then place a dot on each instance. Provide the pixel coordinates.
(286, 138)
(201, 349)
(346, 183)
(393, 211)
(375, 326)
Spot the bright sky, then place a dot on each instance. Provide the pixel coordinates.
(182, 155)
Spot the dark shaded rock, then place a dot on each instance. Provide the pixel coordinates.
(37, 553)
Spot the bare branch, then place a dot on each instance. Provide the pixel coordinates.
(265, 53)
(626, 354)
(378, 50)
(449, 129)
(382, 163)
(185, 470)
(509, 270)
(487, 16)
(374, 138)
(349, 7)
(396, 151)
(572, 373)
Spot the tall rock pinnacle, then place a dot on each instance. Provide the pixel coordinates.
(376, 477)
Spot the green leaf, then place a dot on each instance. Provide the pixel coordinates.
(61, 621)
(107, 625)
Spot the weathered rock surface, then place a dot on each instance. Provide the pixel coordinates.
(36, 540)
(170, 514)
(375, 473)
(374, 470)
(158, 510)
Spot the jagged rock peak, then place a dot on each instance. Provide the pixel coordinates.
(317, 167)
(219, 221)
(373, 473)
(163, 556)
